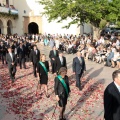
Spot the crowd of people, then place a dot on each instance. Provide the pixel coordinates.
(102, 50)
(21, 50)
(17, 51)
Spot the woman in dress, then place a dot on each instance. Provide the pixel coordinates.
(62, 90)
(42, 71)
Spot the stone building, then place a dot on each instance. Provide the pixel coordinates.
(24, 16)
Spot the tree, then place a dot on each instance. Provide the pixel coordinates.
(82, 11)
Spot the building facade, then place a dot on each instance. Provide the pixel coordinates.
(24, 16)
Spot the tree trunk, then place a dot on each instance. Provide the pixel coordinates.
(96, 33)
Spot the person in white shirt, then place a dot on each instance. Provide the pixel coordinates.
(57, 43)
(11, 60)
(101, 41)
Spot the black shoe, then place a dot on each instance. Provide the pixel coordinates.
(62, 118)
(13, 80)
(47, 96)
(35, 75)
(80, 88)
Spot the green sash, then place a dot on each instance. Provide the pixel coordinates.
(44, 67)
(63, 83)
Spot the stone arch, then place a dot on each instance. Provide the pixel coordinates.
(33, 28)
(9, 27)
(1, 26)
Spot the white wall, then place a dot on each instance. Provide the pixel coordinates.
(86, 28)
(55, 27)
(21, 5)
(11, 2)
(52, 28)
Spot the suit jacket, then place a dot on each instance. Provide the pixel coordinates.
(21, 52)
(9, 59)
(51, 55)
(112, 102)
(26, 47)
(58, 87)
(35, 57)
(77, 66)
(58, 63)
(40, 68)
(3, 50)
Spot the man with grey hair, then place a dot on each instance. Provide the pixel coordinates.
(78, 68)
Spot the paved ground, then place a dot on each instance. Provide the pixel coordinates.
(19, 102)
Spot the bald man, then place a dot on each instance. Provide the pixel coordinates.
(78, 68)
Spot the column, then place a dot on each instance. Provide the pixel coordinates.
(5, 30)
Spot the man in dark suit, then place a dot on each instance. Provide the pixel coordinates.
(21, 55)
(27, 52)
(79, 68)
(3, 52)
(112, 98)
(60, 62)
(53, 55)
(35, 57)
(11, 60)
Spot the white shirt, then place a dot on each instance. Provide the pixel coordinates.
(70, 46)
(118, 87)
(61, 60)
(80, 59)
(36, 52)
(11, 56)
(116, 56)
(88, 41)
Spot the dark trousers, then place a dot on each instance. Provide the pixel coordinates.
(3, 58)
(53, 64)
(12, 71)
(27, 58)
(22, 62)
(78, 82)
(34, 68)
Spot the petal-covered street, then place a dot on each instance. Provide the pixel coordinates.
(20, 101)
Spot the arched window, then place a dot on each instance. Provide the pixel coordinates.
(9, 27)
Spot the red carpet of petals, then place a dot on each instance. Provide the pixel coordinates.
(22, 101)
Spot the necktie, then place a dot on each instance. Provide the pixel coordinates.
(36, 52)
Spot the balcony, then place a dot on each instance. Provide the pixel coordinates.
(8, 11)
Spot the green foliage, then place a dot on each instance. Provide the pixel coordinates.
(102, 24)
(95, 12)
(5, 15)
